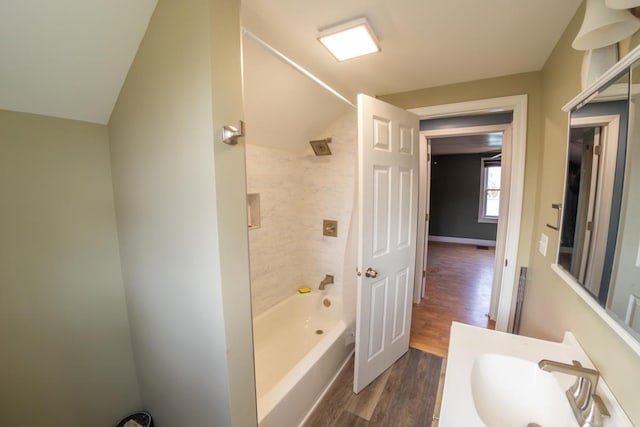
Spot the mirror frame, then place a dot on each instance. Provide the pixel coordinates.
(580, 100)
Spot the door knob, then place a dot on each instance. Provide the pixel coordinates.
(371, 273)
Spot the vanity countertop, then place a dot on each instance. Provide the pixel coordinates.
(468, 342)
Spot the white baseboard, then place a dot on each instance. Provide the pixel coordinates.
(462, 240)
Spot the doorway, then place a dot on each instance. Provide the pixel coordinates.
(465, 182)
(589, 201)
(472, 164)
(506, 257)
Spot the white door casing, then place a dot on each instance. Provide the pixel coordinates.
(424, 208)
(423, 281)
(501, 233)
(388, 191)
(589, 185)
(518, 105)
(505, 186)
(601, 192)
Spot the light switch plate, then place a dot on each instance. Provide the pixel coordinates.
(543, 243)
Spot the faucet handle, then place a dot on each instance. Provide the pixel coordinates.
(597, 401)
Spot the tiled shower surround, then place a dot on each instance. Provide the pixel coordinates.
(297, 191)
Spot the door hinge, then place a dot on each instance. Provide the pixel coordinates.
(506, 262)
(590, 226)
(424, 273)
(426, 217)
(428, 157)
(596, 150)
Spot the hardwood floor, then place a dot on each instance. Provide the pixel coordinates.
(404, 395)
(459, 279)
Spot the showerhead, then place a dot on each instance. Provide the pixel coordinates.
(321, 147)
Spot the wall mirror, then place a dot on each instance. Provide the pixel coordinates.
(600, 227)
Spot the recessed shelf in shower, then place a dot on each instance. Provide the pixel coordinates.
(253, 210)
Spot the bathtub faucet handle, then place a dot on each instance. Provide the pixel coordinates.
(328, 279)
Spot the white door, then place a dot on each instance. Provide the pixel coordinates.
(388, 195)
(589, 183)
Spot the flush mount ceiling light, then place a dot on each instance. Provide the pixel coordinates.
(350, 40)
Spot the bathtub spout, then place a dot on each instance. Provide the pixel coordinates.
(328, 279)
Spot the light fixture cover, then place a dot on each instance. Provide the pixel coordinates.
(350, 40)
(596, 62)
(622, 4)
(602, 26)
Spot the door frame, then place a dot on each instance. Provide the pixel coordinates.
(506, 130)
(517, 104)
(424, 217)
(609, 133)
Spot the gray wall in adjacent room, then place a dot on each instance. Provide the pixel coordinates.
(455, 195)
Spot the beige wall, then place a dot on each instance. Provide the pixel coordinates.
(529, 84)
(179, 201)
(65, 353)
(550, 305)
(231, 188)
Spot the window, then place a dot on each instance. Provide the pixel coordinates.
(489, 189)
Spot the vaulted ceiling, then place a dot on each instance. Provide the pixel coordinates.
(68, 58)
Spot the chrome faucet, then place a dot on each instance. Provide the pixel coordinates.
(328, 280)
(587, 406)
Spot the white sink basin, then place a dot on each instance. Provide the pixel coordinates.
(509, 391)
(493, 380)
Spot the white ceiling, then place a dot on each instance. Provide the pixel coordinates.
(424, 43)
(68, 58)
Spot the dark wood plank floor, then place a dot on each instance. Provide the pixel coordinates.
(404, 395)
(458, 288)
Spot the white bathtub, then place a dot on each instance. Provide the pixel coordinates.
(294, 363)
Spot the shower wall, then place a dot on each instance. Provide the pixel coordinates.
(297, 191)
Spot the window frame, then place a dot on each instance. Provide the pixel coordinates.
(485, 163)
